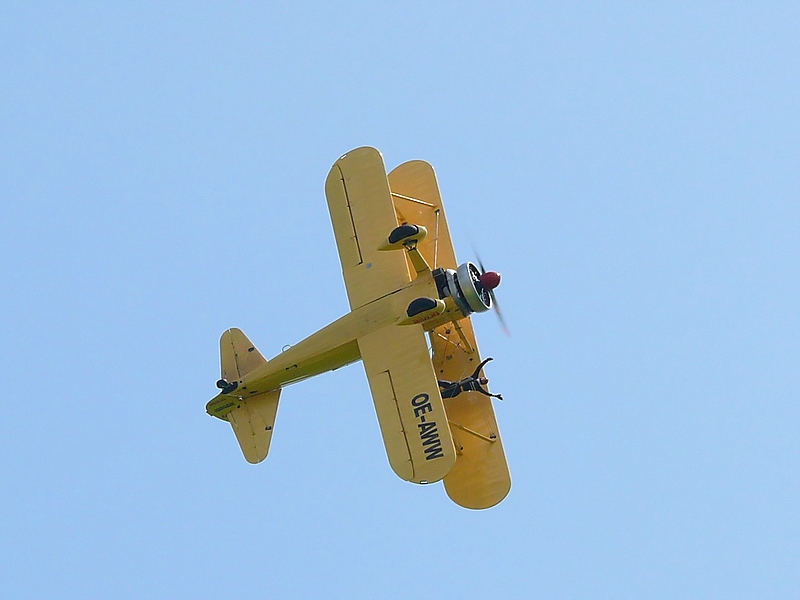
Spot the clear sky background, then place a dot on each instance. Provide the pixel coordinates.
(631, 169)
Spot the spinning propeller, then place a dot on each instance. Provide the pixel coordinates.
(490, 280)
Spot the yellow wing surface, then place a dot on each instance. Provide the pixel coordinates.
(404, 389)
(362, 214)
(416, 198)
(365, 206)
(413, 421)
(480, 477)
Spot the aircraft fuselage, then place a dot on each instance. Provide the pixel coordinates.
(336, 345)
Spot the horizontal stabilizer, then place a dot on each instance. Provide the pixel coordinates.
(252, 421)
(238, 355)
(252, 418)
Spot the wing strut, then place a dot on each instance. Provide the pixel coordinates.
(436, 240)
(464, 339)
(491, 438)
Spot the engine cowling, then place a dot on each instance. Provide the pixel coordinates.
(464, 286)
(468, 277)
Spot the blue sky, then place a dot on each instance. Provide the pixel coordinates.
(631, 169)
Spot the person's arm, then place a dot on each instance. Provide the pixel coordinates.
(485, 392)
(480, 366)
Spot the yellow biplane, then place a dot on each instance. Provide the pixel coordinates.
(403, 282)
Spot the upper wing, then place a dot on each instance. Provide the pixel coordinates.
(408, 403)
(417, 200)
(363, 216)
(480, 477)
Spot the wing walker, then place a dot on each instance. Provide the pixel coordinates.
(406, 291)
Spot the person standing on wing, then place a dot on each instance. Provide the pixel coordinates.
(473, 383)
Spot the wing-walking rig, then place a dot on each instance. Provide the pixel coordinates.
(406, 291)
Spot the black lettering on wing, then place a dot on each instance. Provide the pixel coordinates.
(431, 443)
(419, 399)
(424, 428)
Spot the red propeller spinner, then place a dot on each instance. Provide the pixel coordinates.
(490, 280)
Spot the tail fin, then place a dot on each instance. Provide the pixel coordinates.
(252, 418)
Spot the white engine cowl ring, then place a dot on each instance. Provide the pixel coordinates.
(473, 295)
